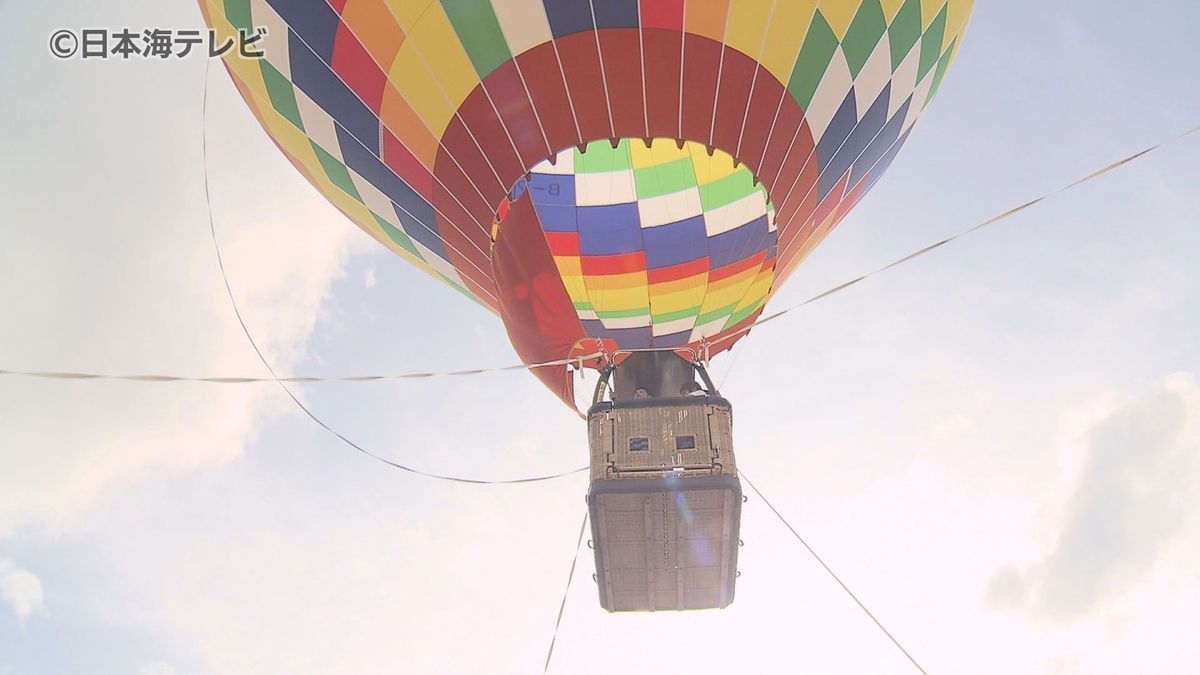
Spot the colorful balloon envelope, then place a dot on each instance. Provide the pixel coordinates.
(605, 175)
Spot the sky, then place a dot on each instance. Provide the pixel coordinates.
(996, 446)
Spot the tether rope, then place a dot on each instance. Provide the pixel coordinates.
(66, 375)
(841, 583)
(566, 591)
(970, 230)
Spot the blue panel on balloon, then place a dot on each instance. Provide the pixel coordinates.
(881, 145)
(327, 90)
(609, 230)
(547, 188)
(568, 16)
(367, 165)
(616, 13)
(316, 21)
(557, 217)
(675, 243)
(866, 129)
(734, 245)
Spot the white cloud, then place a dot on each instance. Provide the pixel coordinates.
(1136, 477)
(20, 590)
(277, 579)
(121, 277)
(1007, 588)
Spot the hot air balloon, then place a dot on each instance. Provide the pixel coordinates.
(623, 182)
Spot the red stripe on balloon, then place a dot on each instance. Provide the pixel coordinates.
(541, 70)
(733, 95)
(581, 63)
(505, 88)
(463, 243)
(355, 66)
(662, 80)
(735, 268)
(457, 199)
(453, 218)
(691, 268)
(798, 223)
(701, 59)
(831, 201)
(405, 165)
(662, 14)
(850, 200)
(538, 314)
(622, 263)
(764, 101)
(622, 52)
(834, 207)
(798, 177)
(780, 135)
(458, 142)
(478, 115)
(563, 243)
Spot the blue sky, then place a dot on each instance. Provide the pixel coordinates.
(995, 446)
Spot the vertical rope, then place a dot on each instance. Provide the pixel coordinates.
(563, 605)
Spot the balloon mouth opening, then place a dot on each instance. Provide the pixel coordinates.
(561, 162)
(660, 243)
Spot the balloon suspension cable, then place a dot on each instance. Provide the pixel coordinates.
(282, 384)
